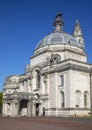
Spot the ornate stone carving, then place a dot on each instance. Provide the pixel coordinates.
(55, 58)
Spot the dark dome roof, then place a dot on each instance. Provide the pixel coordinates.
(58, 38)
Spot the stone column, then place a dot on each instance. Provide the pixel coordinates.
(12, 109)
(18, 108)
(33, 109)
(29, 108)
(45, 83)
(4, 108)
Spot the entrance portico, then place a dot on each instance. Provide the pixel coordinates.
(24, 104)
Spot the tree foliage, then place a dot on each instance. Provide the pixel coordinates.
(1, 97)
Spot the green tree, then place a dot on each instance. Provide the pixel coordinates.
(1, 97)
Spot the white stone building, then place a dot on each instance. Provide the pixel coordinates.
(58, 80)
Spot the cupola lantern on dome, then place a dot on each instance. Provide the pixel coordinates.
(58, 23)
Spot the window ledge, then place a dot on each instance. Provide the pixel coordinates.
(36, 90)
(60, 86)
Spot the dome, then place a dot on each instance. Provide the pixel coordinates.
(58, 38)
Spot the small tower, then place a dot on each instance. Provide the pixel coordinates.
(77, 33)
(58, 23)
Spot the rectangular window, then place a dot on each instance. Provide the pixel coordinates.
(61, 80)
(38, 80)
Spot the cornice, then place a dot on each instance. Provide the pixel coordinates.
(67, 66)
(59, 50)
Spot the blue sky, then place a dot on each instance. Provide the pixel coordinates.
(24, 22)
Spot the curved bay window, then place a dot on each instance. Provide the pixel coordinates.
(37, 79)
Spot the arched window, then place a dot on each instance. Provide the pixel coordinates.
(85, 99)
(78, 98)
(37, 79)
(62, 100)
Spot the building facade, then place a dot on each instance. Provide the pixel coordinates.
(58, 80)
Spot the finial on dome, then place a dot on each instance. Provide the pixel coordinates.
(77, 23)
(59, 15)
(58, 23)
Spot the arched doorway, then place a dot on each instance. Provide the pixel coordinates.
(23, 107)
(37, 105)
